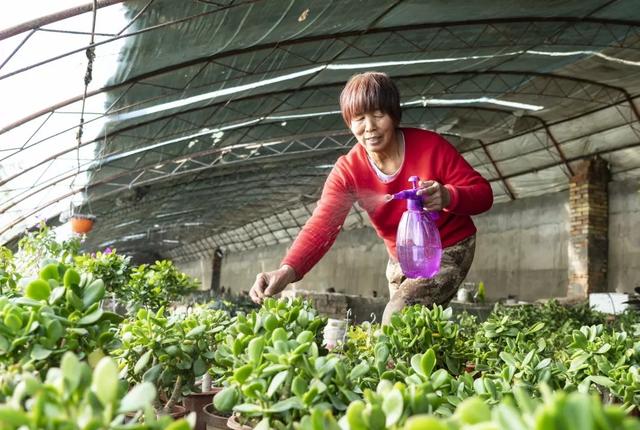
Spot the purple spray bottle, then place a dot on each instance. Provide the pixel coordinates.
(418, 241)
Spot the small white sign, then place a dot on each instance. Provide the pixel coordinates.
(609, 303)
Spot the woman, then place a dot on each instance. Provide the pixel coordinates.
(381, 164)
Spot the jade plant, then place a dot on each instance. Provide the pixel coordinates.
(417, 328)
(114, 269)
(393, 407)
(74, 397)
(294, 316)
(58, 312)
(41, 244)
(157, 285)
(9, 277)
(169, 350)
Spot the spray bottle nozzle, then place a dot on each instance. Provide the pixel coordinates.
(414, 201)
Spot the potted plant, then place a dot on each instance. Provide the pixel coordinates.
(114, 269)
(82, 223)
(72, 397)
(169, 350)
(157, 285)
(58, 312)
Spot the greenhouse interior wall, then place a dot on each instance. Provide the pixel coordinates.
(521, 251)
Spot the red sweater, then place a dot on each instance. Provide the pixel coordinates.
(352, 179)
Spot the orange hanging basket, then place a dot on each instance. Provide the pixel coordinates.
(81, 223)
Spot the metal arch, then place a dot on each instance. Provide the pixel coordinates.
(218, 161)
(512, 196)
(314, 87)
(273, 45)
(570, 160)
(54, 17)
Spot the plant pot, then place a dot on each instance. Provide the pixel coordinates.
(195, 402)
(234, 424)
(212, 420)
(82, 224)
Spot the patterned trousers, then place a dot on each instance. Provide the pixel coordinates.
(403, 291)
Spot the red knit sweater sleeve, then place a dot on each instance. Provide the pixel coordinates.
(322, 228)
(470, 193)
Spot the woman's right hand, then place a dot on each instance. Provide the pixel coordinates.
(268, 284)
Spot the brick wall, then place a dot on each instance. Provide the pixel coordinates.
(589, 224)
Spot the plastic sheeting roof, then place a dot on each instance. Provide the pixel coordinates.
(203, 119)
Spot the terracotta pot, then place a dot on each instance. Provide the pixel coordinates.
(195, 402)
(82, 224)
(234, 424)
(213, 421)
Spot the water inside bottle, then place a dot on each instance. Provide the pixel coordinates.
(421, 261)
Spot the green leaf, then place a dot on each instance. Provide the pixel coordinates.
(39, 352)
(199, 367)
(226, 399)
(425, 422)
(262, 425)
(299, 386)
(69, 366)
(537, 327)
(4, 345)
(14, 418)
(543, 363)
(142, 362)
(509, 418)
(91, 318)
(152, 374)
(578, 362)
(285, 405)
(359, 371)
(242, 373)
(105, 381)
(508, 358)
(602, 380)
(439, 378)
(93, 293)
(54, 330)
(279, 334)
(71, 278)
(415, 364)
(138, 398)
(254, 350)
(248, 408)
(392, 406)
(528, 358)
(355, 415)
(38, 289)
(276, 382)
(428, 362)
(196, 331)
(579, 339)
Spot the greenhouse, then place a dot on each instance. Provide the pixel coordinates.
(340, 214)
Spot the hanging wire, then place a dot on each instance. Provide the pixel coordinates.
(88, 76)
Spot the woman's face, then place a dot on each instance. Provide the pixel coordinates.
(374, 130)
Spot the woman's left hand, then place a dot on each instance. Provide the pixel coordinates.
(435, 196)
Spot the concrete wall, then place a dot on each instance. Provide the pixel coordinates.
(354, 265)
(521, 250)
(199, 269)
(624, 236)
